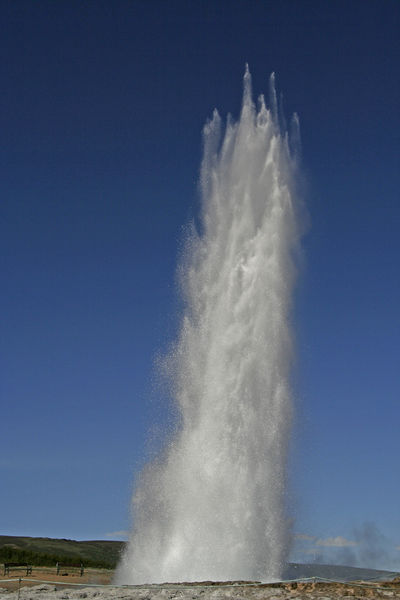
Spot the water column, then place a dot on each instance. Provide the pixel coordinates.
(213, 506)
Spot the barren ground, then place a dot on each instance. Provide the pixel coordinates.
(90, 583)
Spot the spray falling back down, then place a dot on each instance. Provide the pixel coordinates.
(213, 508)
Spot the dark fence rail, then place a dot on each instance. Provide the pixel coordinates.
(17, 566)
(64, 569)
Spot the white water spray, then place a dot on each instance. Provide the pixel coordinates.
(213, 508)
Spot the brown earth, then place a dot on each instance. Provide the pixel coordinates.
(388, 589)
(70, 575)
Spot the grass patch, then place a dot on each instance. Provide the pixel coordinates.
(101, 554)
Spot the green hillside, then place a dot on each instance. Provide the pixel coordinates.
(47, 551)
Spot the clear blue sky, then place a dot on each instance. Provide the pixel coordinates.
(101, 111)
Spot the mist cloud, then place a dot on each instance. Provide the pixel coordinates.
(368, 548)
(337, 542)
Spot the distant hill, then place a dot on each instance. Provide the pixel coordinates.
(335, 572)
(48, 551)
(105, 554)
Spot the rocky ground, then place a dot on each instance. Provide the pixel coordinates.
(284, 591)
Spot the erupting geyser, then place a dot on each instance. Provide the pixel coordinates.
(213, 508)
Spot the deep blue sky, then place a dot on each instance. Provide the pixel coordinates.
(102, 106)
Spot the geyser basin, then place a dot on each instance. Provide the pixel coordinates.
(214, 507)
